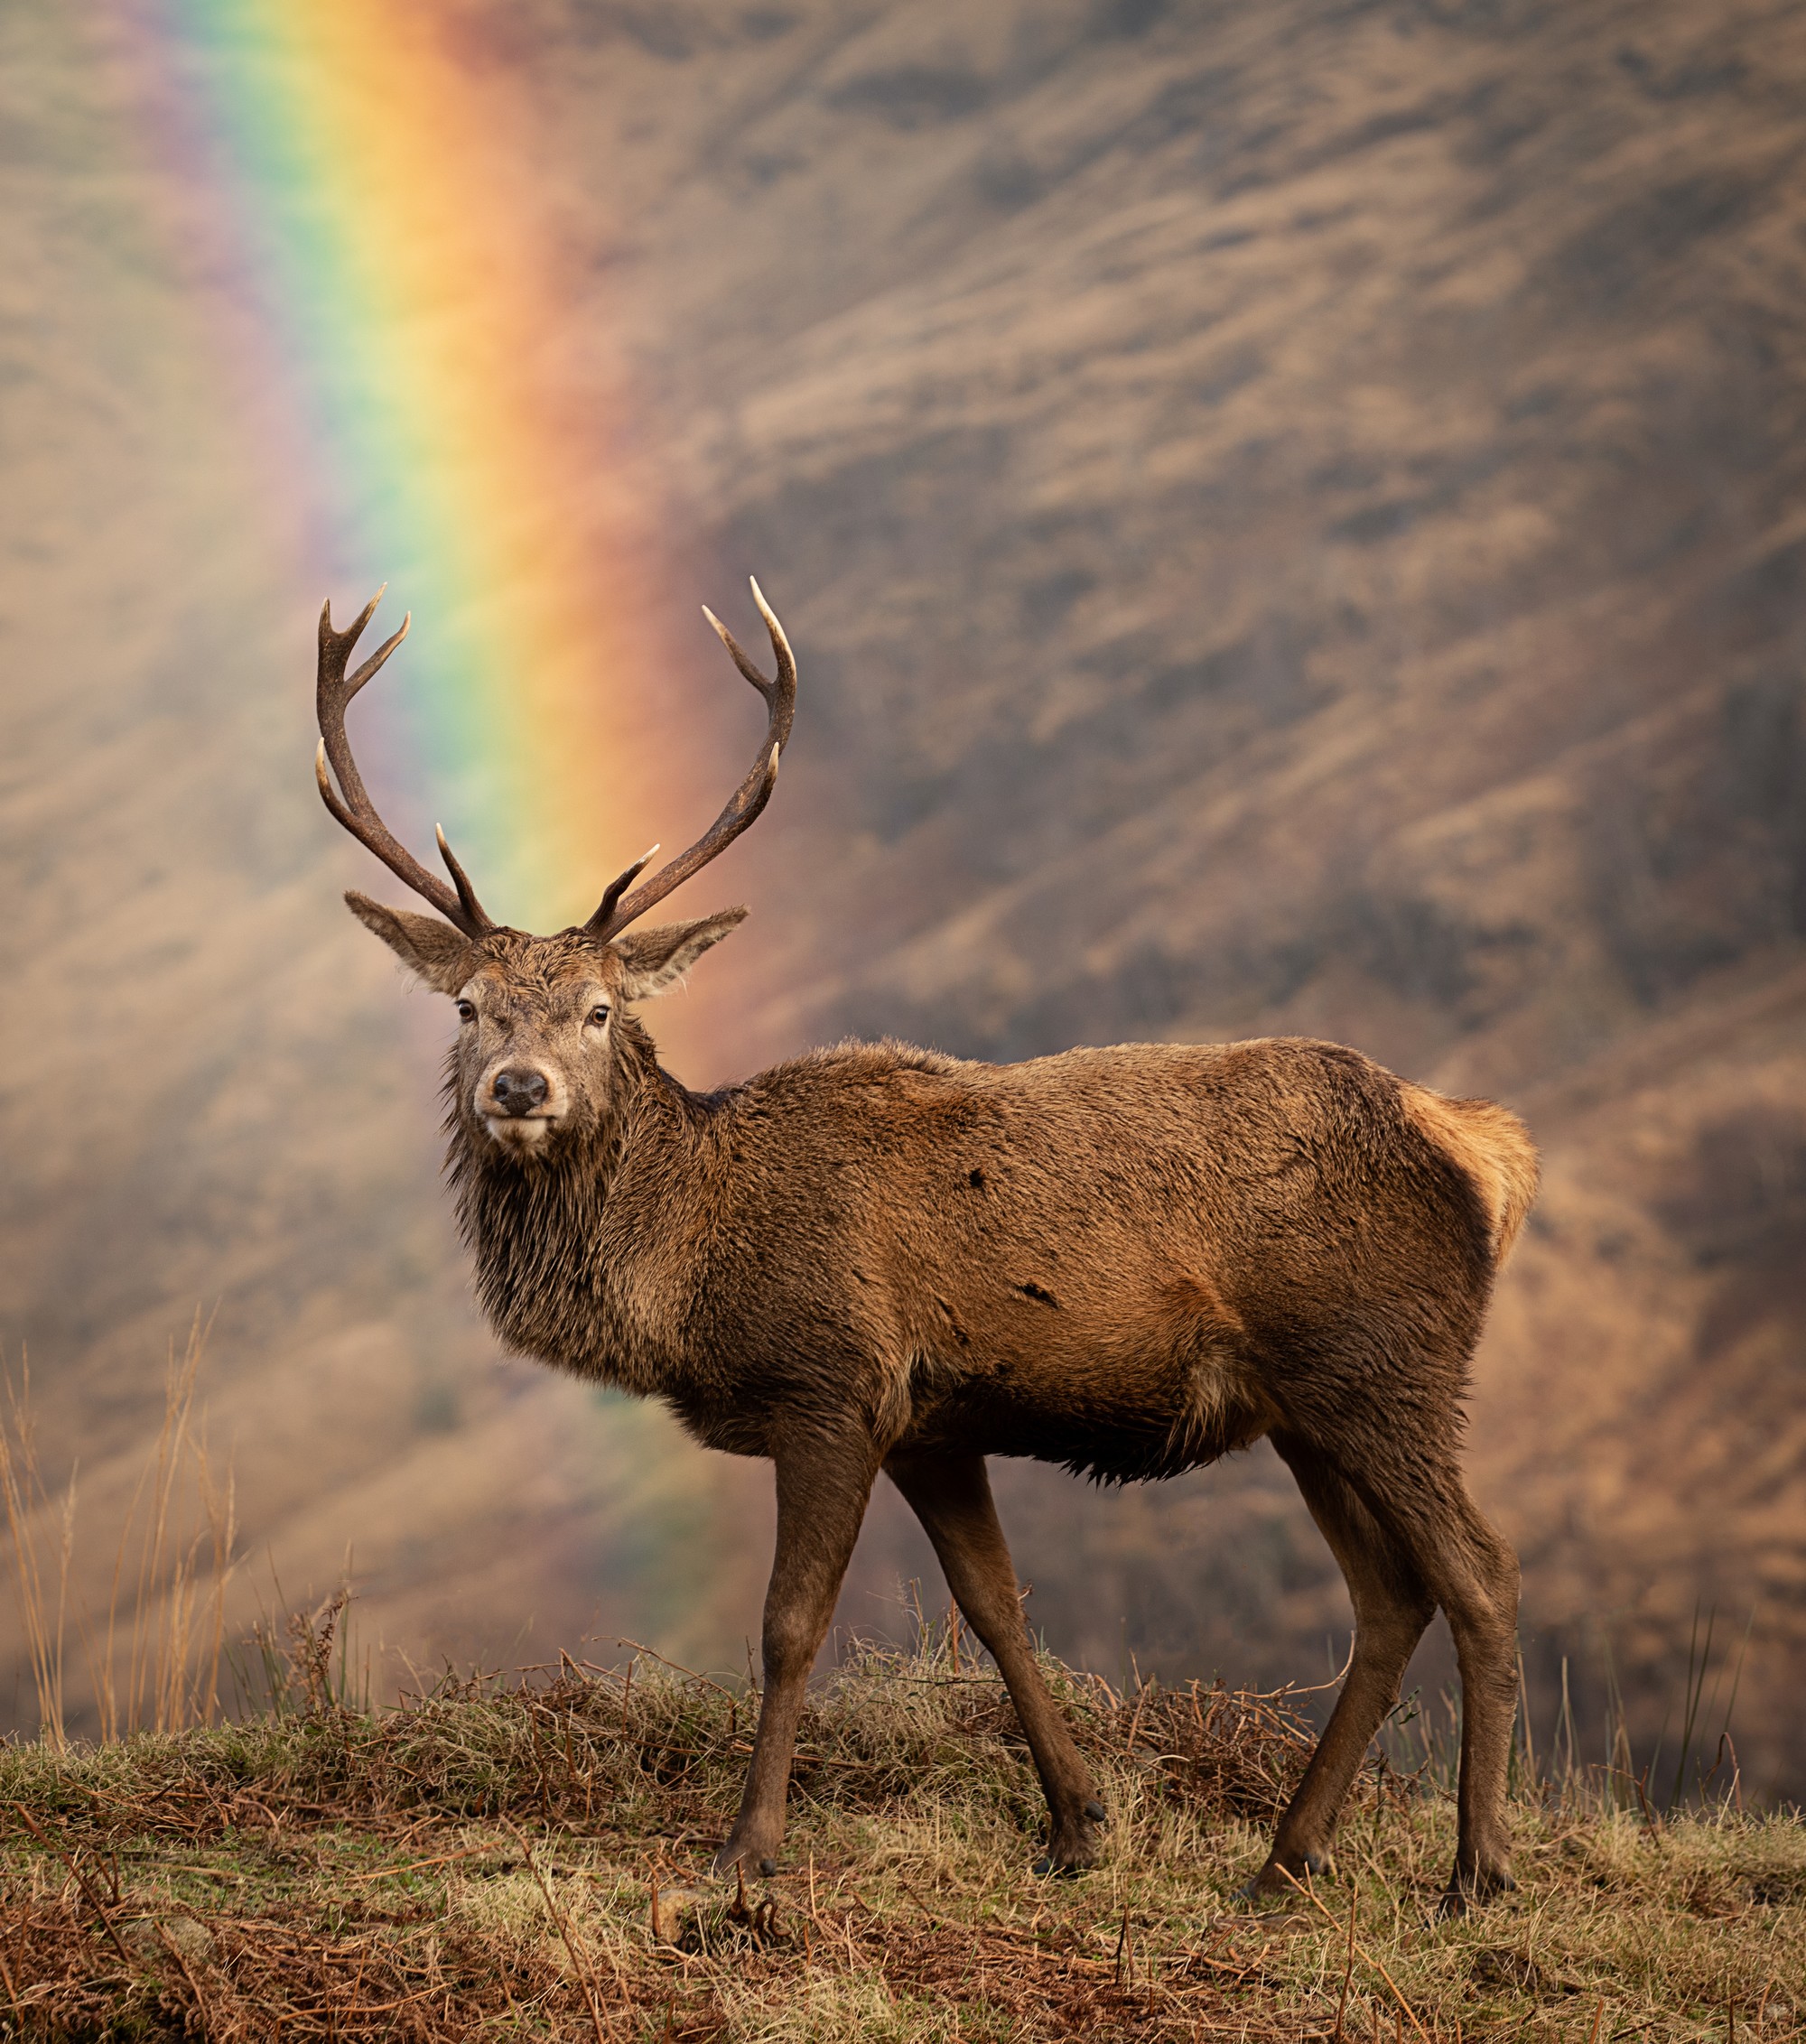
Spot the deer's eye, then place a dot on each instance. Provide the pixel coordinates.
(598, 1016)
(466, 1012)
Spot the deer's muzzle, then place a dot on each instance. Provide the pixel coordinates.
(517, 1089)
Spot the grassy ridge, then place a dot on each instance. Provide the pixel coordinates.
(526, 1860)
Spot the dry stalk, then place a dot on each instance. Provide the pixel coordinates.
(22, 1488)
(80, 1879)
(584, 1978)
(183, 1567)
(159, 1690)
(1348, 1965)
(12, 1989)
(1368, 1958)
(414, 1866)
(200, 2007)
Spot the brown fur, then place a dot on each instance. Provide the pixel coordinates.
(1491, 1148)
(1127, 1261)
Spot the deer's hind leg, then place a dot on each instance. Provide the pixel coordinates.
(1473, 1573)
(1407, 1483)
(950, 1496)
(1392, 1605)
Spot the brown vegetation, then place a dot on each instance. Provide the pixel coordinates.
(520, 1858)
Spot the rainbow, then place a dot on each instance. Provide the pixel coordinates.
(395, 317)
(449, 430)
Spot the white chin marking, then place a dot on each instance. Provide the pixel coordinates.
(519, 1132)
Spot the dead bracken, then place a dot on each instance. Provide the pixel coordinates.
(527, 1856)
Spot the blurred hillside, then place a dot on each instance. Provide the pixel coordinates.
(1292, 519)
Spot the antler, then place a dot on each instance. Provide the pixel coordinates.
(744, 804)
(353, 808)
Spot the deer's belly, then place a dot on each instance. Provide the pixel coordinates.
(1117, 1439)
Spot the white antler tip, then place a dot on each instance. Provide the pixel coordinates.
(780, 643)
(439, 833)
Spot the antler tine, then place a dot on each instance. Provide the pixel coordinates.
(743, 806)
(467, 894)
(616, 888)
(349, 803)
(780, 647)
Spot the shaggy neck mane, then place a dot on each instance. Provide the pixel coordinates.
(540, 1230)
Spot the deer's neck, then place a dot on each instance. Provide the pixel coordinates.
(584, 1260)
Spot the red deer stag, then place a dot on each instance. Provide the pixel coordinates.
(1129, 1261)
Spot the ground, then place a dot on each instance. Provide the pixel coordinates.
(526, 1858)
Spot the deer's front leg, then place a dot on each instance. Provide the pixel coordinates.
(822, 1488)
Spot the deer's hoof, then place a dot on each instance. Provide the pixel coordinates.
(1072, 1848)
(1472, 1888)
(1276, 1883)
(747, 1858)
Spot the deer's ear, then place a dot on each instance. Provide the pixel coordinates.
(656, 959)
(430, 949)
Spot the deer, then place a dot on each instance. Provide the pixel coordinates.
(875, 1259)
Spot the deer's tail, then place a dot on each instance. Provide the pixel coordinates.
(1493, 1150)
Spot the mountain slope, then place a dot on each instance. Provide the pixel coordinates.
(1292, 519)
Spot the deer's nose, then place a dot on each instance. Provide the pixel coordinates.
(517, 1089)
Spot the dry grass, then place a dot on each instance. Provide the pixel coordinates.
(153, 1659)
(527, 1859)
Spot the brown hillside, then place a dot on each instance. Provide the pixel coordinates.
(1292, 518)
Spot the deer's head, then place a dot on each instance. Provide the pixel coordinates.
(542, 1021)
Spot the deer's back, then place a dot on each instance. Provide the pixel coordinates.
(1128, 1259)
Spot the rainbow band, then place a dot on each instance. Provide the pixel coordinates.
(418, 305)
